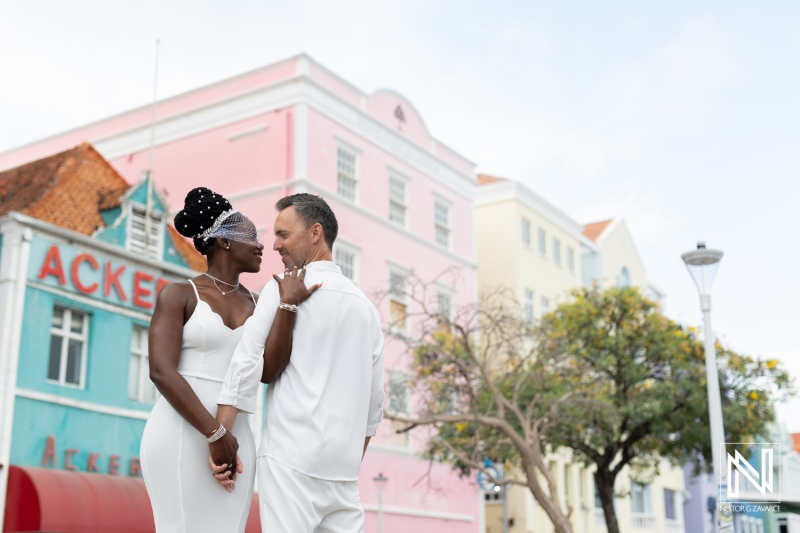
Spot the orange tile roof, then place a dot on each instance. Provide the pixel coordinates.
(796, 442)
(194, 259)
(595, 229)
(70, 189)
(485, 179)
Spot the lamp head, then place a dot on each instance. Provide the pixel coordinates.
(380, 482)
(702, 264)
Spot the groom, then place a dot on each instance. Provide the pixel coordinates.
(325, 398)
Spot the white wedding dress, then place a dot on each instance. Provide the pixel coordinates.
(174, 456)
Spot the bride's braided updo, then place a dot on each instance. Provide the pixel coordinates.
(201, 208)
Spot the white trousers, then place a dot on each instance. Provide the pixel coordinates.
(291, 502)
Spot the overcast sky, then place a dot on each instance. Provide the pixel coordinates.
(682, 117)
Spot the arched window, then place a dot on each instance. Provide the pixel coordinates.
(624, 279)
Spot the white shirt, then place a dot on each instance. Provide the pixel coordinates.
(330, 397)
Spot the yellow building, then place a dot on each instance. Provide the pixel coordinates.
(527, 245)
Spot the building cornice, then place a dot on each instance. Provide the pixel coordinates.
(502, 191)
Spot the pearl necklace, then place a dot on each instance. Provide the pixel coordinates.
(215, 280)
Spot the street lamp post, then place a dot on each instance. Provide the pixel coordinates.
(380, 485)
(702, 264)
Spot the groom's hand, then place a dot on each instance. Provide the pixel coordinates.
(223, 452)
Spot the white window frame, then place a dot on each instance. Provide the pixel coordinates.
(135, 238)
(142, 353)
(356, 153)
(527, 306)
(447, 226)
(544, 305)
(404, 299)
(557, 251)
(395, 176)
(526, 232)
(404, 378)
(443, 290)
(352, 249)
(66, 335)
(541, 236)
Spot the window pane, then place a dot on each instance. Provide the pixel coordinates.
(133, 376)
(398, 394)
(442, 236)
(74, 362)
(669, 504)
(150, 393)
(58, 318)
(54, 366)
(542, 242)
(397, 190)
(397, 314)
(397, 212)
(397, 285)
(345, 261)
(76, 324)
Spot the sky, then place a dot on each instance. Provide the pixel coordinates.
(680, 117)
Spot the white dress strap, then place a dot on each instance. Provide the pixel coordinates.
(195, 289)
(251, 296)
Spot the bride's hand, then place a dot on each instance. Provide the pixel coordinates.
(292, 287)
(223, 474)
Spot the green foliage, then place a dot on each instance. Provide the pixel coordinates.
(646, 378)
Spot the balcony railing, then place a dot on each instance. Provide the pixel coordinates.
(673, 526)
(643, 520)
(599, 517)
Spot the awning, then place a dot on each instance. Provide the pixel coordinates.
(42, 500)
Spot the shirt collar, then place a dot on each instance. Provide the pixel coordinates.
(323, 266)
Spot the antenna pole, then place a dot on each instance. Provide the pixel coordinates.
(149, 174)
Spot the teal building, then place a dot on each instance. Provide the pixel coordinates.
(82, 257)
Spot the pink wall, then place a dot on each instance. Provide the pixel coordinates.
(261, 164)
(141, 116)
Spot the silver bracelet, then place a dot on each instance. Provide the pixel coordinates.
(288, 307)
(218, 434)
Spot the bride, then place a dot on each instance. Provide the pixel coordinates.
(194, 330)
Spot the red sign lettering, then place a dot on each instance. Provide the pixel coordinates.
(113, 465)
(76, 265)
(112, 280)
(139, 291)
(160, 284)
(92, 465)
(52, 265)
(50, 451)
(136, 467)
(68, 463)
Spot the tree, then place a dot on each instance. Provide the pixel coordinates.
(605, 375)
(646, 379)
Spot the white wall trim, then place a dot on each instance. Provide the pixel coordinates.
(16, 254)
(300, 142)
(79, 404)
(258, 130)
(407, 511)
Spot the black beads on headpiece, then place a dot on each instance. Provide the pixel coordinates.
(201, 208)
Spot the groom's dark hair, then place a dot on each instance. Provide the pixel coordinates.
(312, 209)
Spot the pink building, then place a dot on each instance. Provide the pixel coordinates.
(403, 200)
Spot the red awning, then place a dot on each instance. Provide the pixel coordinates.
(42, 500)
